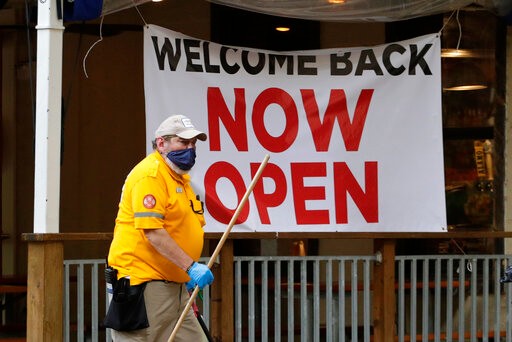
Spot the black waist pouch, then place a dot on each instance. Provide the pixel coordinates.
(127, 310)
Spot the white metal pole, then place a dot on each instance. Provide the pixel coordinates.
(50, 31)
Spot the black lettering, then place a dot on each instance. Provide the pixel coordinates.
(417, 59)
(386, 59)
(372, 63)
(346, 64)
(281, 60)
(188, 44)
(167, 50)
(215, 69)
(253, 70)
(301, 65)
(230, 69)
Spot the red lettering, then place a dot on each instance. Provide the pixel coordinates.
(212, 201)
(218, 111)
(283, 99)
(336, 109)
(367, 201)
(302, 193)
(345, 184)
(267, 200)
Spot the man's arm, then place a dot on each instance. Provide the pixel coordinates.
(200, 275)
(165, 245)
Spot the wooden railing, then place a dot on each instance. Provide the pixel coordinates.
(45, 286)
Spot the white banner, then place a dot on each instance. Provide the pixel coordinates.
(354, 134)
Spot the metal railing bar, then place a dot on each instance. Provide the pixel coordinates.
(238, 300)
(437, 300)
(425, 303)
(290, 303)
(80, 302)
(474, 304)
(401, 300)
(329, 301)
(485, 302)
(341, 300)
(206, 295)
(108, 333)
(277, 302)
(316, 301)
(264, 301)
(354, 296)
(497, 296)
(509, 310)
(206, 306)
(67, 313)
(304, 331)
(462, 278)
(414, 299)
(251, 304)
(94, 302)
(449, 304)
(508, 295)
(366, 301)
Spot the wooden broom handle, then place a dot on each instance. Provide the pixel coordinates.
(220, 244)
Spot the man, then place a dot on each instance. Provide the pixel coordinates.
(158, 239)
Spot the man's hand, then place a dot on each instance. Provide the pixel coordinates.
(190, 285)
(200, 275)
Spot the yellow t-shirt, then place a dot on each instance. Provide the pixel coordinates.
(153, 197)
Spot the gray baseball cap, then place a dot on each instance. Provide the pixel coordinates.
(181, 126)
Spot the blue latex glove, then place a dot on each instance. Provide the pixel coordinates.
(200, 275)
(190, 285)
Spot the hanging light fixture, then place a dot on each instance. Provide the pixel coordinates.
(466, 53)
(463, 75)
(456, 53)
(464, 58)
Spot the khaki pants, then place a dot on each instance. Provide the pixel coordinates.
(164, 304)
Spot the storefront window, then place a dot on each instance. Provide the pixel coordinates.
(471, 119)
(472, 60)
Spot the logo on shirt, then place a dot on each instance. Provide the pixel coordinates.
(149, 201)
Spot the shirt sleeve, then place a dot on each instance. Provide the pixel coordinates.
(149, 200)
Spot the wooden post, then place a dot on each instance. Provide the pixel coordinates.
(222, 292)
(384, 303)
(45, 291)
(215, 298)
(227, 293)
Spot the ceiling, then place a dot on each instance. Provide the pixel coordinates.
(342, 10)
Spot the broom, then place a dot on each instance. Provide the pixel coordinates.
(220, 244)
